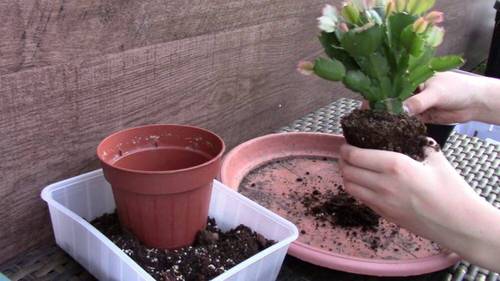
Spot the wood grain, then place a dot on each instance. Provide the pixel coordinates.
(240, 84)
(469, 27)
(75, 71)
(45, 32)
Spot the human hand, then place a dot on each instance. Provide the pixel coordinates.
(451, 97)
(407, 192)
(428, 198)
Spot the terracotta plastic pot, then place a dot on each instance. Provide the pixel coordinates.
(161, 176)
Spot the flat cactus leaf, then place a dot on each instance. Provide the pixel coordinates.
(446, 63)
(329, 69)
(332, 48)
(362, 43)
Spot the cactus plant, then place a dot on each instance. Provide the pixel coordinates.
(382, 49)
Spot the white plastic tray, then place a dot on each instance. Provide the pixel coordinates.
(74, 202)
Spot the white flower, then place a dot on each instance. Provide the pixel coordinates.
(328, 21)
(330, 11)
(326, 24)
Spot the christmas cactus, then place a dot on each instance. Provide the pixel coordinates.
(382, 49)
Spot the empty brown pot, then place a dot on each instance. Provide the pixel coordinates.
(161, 176)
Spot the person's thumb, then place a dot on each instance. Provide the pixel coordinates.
(420, 102)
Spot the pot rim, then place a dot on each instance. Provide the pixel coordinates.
(216, 158)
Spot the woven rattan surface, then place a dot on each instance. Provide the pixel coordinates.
(43, 264)
(476, 160)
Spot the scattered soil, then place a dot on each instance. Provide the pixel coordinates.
(213, 252)
(340, 209)
(381, 130)
(274, 185)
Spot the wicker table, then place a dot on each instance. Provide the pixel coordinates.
(476, 160)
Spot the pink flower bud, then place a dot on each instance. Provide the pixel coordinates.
(343, 27)
(420, 25)
(305, 67)
(390, 8)
(435, 17)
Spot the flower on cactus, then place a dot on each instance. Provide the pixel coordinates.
(420, 25)
(382, 49)
(343, 27)
(435, 17)
(305, 67)
(328, 21)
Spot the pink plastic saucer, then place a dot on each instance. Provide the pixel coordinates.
(277, 170)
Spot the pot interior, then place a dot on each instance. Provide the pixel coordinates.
(160, 148)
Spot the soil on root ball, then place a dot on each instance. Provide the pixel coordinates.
(382, 130)
(213, 252)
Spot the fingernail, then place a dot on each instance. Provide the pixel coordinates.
(407, 110)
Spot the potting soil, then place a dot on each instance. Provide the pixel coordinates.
(381, 130)
(213, 252)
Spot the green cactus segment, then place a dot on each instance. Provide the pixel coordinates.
(423, 59)
(375, 65)
(413, 42)
(329, 69)
(362, 43)
(334, 51)
(359, 82)
(420, 75)
(396, 24)
(446, 63)
(425, 71)
(393, 105)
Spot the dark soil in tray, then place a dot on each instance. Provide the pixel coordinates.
(385, 131)
(340, 209)
(213, 252)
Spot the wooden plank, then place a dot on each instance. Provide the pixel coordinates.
(469, 27)
(239, 83)
(45, 32)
